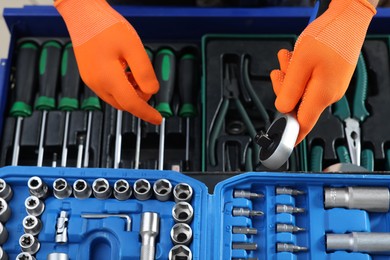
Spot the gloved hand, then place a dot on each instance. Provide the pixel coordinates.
(317, 73)
(105, 44)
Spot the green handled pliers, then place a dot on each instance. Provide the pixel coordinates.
(360, 113)
(230, 92)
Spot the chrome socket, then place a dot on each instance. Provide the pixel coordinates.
(101, 189)
(180, 252)
(81, 189)
(162, 189)
(122, 190)
(34, 206)
(61, 189)
(57, 256)
(25, 256)
(37, 187)
(142, 189)
(5, 190)
(182, 192)
(181, 234)
(5, 211)
(183, 212)
(29, 244)
(3, 234)
(32, 225)
(3, 254)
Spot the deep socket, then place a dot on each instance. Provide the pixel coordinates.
(29, 244)
(34, 206)
(5, 211)
(182, 192)
(5, 190)
(61, 189)
(81, 189)
(244, 230)
(3, 254)
(181, 234)
(3, 234)
(142, 189)
(371, 199)
(122, 190)
(25, 256)
(365, 242)
(57, 256)
(162, 189)
(149, 230)
(183, 212)
(180, 252)
(37, 187)
(101, 189)
(32, 225)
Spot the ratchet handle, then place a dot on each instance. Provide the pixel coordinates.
(359, 109)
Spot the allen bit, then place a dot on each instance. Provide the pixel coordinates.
(243, 212)
(127, 218)
(288, 228)
(285, 247)
(244, 230)
(245, 246)
(247, 194)
(288, 191)
(288, 209)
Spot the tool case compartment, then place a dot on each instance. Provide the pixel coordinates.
(212, 222)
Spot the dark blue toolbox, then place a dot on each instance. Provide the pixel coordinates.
(97, 212)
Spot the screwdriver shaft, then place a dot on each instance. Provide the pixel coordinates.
(15, 153)
(42, 138)
(138, 144)
(162, 144)
(80, 151)
(118, 139)
(187, 142)
(88, 139)
(64, 155)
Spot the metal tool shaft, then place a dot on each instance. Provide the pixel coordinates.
(16, 149)
(88, 139)
(64, 155)
(366, 242)
(41, 150)
(161, 145)
(150, 228)
(138, 144)
(118, 139)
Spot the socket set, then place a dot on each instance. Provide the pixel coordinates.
(50, 213)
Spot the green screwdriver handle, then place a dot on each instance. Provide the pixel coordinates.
(359, 108)
(25, 79)
(188, 82)
(165, 67)
(49, 65)
(316, 156)
(90, 101)
(70, 80)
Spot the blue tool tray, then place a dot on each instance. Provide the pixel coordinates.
(212, 223)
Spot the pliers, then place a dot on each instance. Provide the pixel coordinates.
(341, 109)
(230, 93)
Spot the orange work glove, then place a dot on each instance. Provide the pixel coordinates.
(317, 73)
(105, 44)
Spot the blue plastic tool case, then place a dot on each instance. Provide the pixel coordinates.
(213, 221)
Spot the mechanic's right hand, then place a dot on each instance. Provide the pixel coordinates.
(105, 44)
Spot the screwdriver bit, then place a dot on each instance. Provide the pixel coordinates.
(288, 191)
(288, 209)
(247, 194)
(237, 212)
(245, 230)
(245, 246)
(288, 228)
(285, 247)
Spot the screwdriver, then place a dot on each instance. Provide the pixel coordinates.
(188, 81)
(118, 139)
(25, 79)
(138, 138)
(70, 84)
(90, 103)
(165, 66)
(49, 64)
